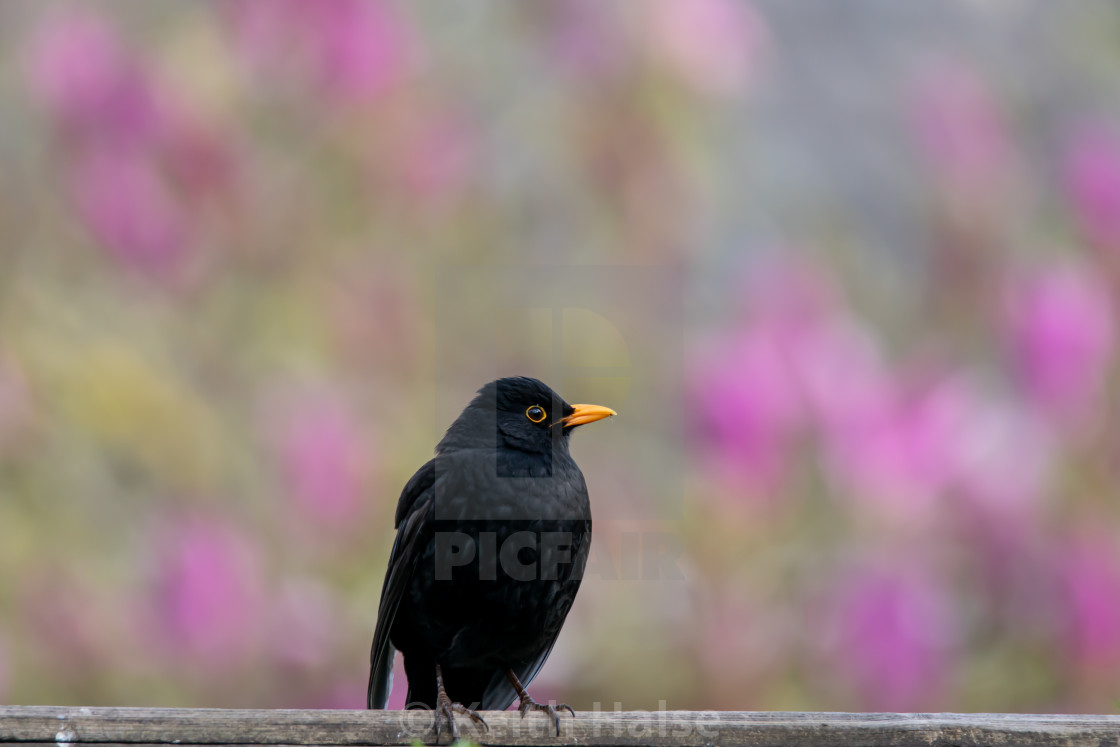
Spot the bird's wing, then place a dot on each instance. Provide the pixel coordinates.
(500, 693)
(415, 500)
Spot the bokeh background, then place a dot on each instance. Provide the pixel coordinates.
(868, 354)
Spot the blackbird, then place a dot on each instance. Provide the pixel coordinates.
(492, 539)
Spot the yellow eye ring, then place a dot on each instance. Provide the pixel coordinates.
(536, 413)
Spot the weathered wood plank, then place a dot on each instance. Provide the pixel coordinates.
(156, 727)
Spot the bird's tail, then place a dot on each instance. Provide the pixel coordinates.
(380, 675)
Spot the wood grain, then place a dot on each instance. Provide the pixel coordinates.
(166, 726)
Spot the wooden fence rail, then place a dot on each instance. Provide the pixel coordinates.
(171, 726)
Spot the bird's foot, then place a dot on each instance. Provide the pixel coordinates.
(528, 704)
(446, 710)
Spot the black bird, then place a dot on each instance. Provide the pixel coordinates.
(492, 539)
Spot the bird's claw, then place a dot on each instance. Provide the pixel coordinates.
(446, 710)
(460, 708)
(528, 704)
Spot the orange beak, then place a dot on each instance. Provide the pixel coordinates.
(586, 414)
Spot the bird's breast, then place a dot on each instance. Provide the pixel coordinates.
(501, 562)
(501, 576)
(477, 486)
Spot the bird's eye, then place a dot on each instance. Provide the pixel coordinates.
(536, 413)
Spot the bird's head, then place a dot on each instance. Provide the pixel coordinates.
(523, 413)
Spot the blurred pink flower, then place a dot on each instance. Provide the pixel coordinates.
(583, 38)
(435, 156)
(890, 631)
(1089, 574)
(758, 386)
(200, 162)
(350, 50)
(1092, 183)
(959, 126)
(714, 46)
(127, 205)
(899, 453)
(323, 456)
(302, 624)
(1004, 457)
(909, 449)
(746, 410)
(139, 164)
(84, 76)
(796, 306)
(838, 347)
(800, 364)
(1060, 330)
(208, 591)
